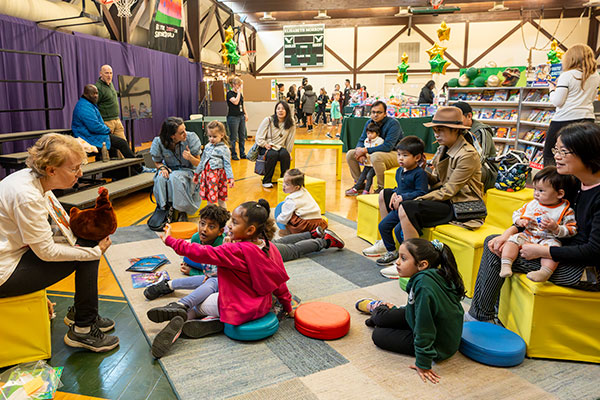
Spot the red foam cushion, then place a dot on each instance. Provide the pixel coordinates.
(322, 320)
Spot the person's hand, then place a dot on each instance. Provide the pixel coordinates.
(551, 85)
(496, 244)
(104, 244)
(164, 172)
(185, 269)
(230, 182)
(241, 89)
(187, 154)
(395, 201)
(549, 225)
(362, 159)
(531, 251)
(292, 313)
(268, 146)
(166, 233)
(227, 239)
(522, 222)
(359, 152)
(426, 374)
(246, 116)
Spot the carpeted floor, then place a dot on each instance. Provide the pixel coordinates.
(291, 366)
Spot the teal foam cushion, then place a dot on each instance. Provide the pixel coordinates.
(276, 214)
(253, 330)
(492, 344)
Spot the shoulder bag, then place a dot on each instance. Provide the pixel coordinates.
(161, 216)
(260, 168)
(468, 210)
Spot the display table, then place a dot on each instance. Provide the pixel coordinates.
(321, 144)
(352, 128)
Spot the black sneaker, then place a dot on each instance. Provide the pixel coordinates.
(198, 328)
(243, 157)
(234, 157)
(95, 340)
(387, 259)
(104, 324)
(158, 289)
(167, 313)
(164, 340)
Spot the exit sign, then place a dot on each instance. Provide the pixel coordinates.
(303, 45)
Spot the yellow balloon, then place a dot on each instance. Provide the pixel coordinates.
(404, 58)
(228, 33)
(443, 32)
(435, 50)
(445, 67)
(554, 46)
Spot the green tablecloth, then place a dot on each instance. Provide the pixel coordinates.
(352, 129)
(198, 126)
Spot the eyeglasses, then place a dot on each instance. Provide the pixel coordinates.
(560, 152)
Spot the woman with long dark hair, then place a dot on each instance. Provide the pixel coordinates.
(176, 153)
(426, 96)
(275, 137)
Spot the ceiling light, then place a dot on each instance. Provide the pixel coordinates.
(498, 6)
(267, 17)
(322, 15)
(403, 12)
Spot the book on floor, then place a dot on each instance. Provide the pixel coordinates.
(146, 279)
(147, 264)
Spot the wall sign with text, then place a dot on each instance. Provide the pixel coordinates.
(303, 45)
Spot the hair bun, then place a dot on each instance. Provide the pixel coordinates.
(265, 204)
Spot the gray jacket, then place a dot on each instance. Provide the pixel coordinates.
(308, 102)
(217, 156)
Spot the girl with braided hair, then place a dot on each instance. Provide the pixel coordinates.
(250, 271)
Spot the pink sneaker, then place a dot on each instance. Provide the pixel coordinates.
(365, 192)
(352, 192)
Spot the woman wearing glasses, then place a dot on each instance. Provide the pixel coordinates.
(573, 94)
(31, 255)
(577, 153)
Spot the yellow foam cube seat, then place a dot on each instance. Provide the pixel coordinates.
(501, 205)
(467, 246)
(315, 186)
(277, 173)
(24, 329)
(555, 322)
(389, 179)
(368, 218)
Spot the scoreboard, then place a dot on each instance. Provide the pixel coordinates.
(303, 45)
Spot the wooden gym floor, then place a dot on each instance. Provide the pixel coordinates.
(120, 376)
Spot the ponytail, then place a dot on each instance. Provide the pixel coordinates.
(440, 257)
(258, 213)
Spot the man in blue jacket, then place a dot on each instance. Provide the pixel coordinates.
(88, 124)
(383, 157)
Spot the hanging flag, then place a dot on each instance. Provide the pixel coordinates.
(166, 32)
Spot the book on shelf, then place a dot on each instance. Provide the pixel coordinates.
(486, 113)
(545, 98)
(528, 135)
(546, 73)
(529, 151)
(461, 96)
(501, 95)
(513, 95)
(514, 114)
(532, 95)
(487, 95)
(472, 96)
(533, 114)
(502, 132)
(512, 133)
(539, 136)
(502, 114)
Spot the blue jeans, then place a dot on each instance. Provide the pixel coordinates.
(198, 295)
(237, 132)
(391, 223)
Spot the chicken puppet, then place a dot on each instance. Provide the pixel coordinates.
(94, 223)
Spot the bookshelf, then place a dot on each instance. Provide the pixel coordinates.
(520, 116)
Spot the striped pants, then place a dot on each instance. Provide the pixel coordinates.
(489, 283)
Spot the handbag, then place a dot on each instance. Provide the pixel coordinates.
(260, 167)
(252, 154)
(513, 171)
(468, 210)
(161, 216)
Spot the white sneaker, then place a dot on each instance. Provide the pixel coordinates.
(390, 272)
(267, 185)
(377, 250)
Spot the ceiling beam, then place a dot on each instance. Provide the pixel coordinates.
(431, 41)
(378, 51)
(137, 12)
(278, 52)
(547, 34)
(498, 42)
(209, 17)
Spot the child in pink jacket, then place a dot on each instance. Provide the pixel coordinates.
(250, 270)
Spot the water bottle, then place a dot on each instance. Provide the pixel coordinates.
(105, 157)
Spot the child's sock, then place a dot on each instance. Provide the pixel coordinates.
(541, 275)
(170, 283)
(506, 268)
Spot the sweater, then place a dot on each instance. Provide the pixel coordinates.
(571, 101)
(108, 102)
(435, 316)
(411, 184)
(391, 133)
(87, 123)
(247, 277)
(24, 225)
(584, 247)
(277, 137)
(300, 203)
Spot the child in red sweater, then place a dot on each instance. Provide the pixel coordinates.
(250, 270)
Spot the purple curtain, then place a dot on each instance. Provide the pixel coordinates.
(173, 79)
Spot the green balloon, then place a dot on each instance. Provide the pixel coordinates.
(479, 81)
(472, 73)
(437, 64)
(453, 82)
